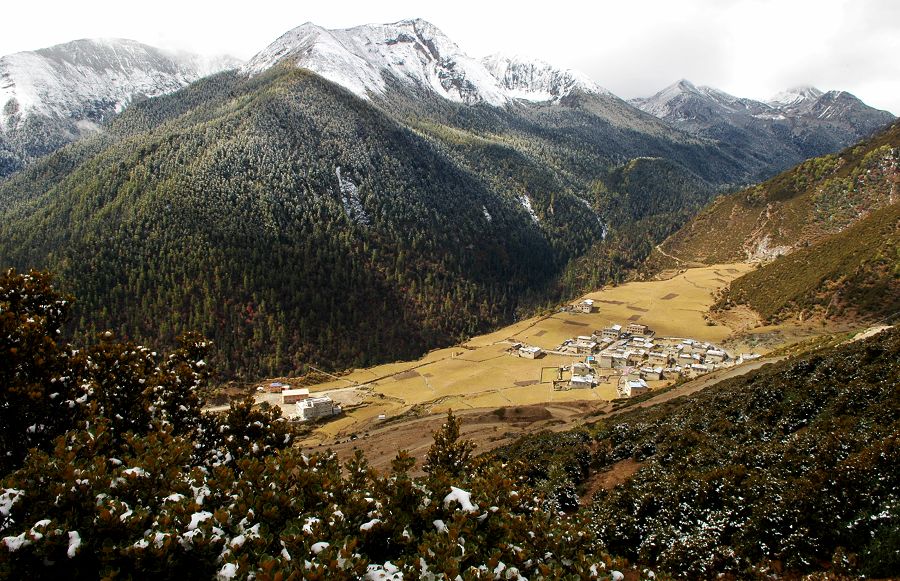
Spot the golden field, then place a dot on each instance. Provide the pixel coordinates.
(480, 374)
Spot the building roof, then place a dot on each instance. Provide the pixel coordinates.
(299, 391)
(313, 401)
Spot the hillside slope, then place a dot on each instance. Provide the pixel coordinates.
(801, 206)
(854, 273)
(287, 221)
(787, 470)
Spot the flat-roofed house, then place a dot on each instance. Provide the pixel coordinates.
(612, 332)
(289, 396)
(715, 356)
(632, 387)
(530, 352)
(314, 408)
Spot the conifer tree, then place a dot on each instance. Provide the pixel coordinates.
(448, 455)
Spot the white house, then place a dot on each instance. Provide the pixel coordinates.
(530, 352)
(582, 381)
(612, 331)
(317, 407)
(632, 387)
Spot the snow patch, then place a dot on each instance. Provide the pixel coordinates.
(199, 517)
(13, 544)
(74, 543)
(228, 571)
(388, 571)
(365, 527)
(462, 497)
(351, 201)
(525, 201)
(9, 497)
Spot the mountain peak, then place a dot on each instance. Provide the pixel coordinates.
(795, 96)
(361, 59)
(685, 86)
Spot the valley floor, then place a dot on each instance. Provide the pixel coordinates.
(398, 405)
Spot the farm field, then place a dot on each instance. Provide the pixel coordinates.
(479, 374)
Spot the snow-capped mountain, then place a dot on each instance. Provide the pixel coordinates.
(685, 102)
(67, 90)
(535, 80)
(794, 97)
(832, 106)
(364, 59)
(368, 59)
(93, 77)
(794, 125)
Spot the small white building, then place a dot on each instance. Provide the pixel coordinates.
(585, 306)
(530, 352)
(715, 356)
(638, 330)
(652, 373)
(632, 387)
(582, 381)
(700, 368)
(314, 408)
(582, 346)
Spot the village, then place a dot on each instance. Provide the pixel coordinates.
(630, 356)
(626, 360)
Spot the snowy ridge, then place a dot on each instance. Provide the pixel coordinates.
(360, 59)
(683, 100)
(535, 80)
(86, 80)
(416, 53)
(795, 96)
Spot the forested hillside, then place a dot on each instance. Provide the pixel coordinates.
(293, 223)
(109, 469)
(785, 471)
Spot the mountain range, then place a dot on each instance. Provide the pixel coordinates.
(794, 125)
(52, 96)
(352, 196)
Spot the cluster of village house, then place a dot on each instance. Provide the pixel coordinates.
(306, 407)
(634, 354)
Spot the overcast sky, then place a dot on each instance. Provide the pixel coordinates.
(750, 48)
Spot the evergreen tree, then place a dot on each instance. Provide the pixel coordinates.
(448, 455)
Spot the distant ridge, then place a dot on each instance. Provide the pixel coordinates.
(794, 125)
